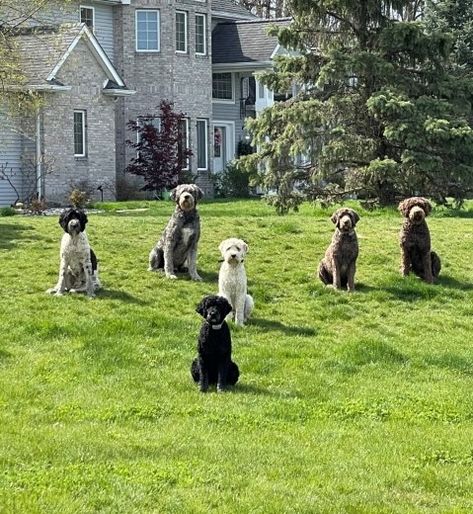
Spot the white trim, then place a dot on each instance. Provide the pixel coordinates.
(153, 50)
(186, 28)
(230, 146)
(223, 100)
(96, 49)
(205, 32)
(39, 87)
(206, 121)
(241, 66)
(39, 159)
(118, 92)
(187, 143)
(83, 112)
(82, 6)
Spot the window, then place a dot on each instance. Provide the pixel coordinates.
(183, 143)
(201, 34)
(79, 134)
(147, 31)
(181, 32)
(222, 86)
(87, 16)
(142, 121)
(202, 144)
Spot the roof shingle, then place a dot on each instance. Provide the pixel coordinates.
(244, 41)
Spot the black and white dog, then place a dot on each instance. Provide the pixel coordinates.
(214, 364)
(78, 267)
(177, 248)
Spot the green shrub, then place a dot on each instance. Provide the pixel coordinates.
(232, 182)
(7, 211)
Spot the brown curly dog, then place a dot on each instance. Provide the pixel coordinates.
(338, 266)
(416, 253)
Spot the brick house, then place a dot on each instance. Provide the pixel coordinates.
(98, 64)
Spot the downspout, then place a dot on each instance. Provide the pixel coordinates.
(39, 168)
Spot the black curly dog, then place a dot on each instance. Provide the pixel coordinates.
(214, 364)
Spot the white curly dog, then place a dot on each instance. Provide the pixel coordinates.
(232, 282)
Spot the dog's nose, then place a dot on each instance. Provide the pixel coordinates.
(233, 255)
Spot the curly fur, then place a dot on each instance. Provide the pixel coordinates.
(214, 364)
(338, 267)
(78, 270)
(177, 248)
(416, 253)
(232, 283)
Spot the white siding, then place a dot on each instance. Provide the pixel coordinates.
(104, 26)
(10, 156)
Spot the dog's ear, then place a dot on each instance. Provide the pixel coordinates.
(335, 217)
(424, 204)
(355, 218)
(246, 248)
(202, 307)
(175, 193)
(221, 246)
(224, 306)
(197, 193)
(82, 219)
(63, 219)
(405, 206)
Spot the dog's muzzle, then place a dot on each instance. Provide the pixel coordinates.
(73, 226)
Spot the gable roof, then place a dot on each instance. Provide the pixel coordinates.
(43, 51)
(244, 41)
(230, 9)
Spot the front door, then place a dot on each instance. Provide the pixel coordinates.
(223, 145)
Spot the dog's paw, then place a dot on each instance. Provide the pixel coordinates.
(171, 276)
(221, 389)
(51, 290)
(150, 268)
(58, 293)
(197, 278)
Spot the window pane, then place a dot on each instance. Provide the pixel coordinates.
(182, 144)
(79, 133)
(201, 144)
(222, 86)
(147, 30)
(200, 33)
(87, 16)
(181, 32)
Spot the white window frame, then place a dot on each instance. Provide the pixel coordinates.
(223, 100)
(84, 139)
(206, 143)
(93, 15)
(187, 143)
(158, 17)
(205, 33)
(186, 28)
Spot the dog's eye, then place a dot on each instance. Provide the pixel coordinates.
(238, 248)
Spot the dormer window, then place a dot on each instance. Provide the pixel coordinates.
(87, 16)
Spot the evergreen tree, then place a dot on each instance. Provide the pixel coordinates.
(379, 113)
(160, 148)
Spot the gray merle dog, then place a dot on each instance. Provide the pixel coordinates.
(177, 248)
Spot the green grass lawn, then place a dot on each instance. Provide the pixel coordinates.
(356, 403)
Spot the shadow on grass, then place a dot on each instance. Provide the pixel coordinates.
(250, 389)
(123, 296)
(209, 276)
(10, 234)
(453, 283)
(4, 355)
(268, 324)
(451, 362)
(413, 288)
